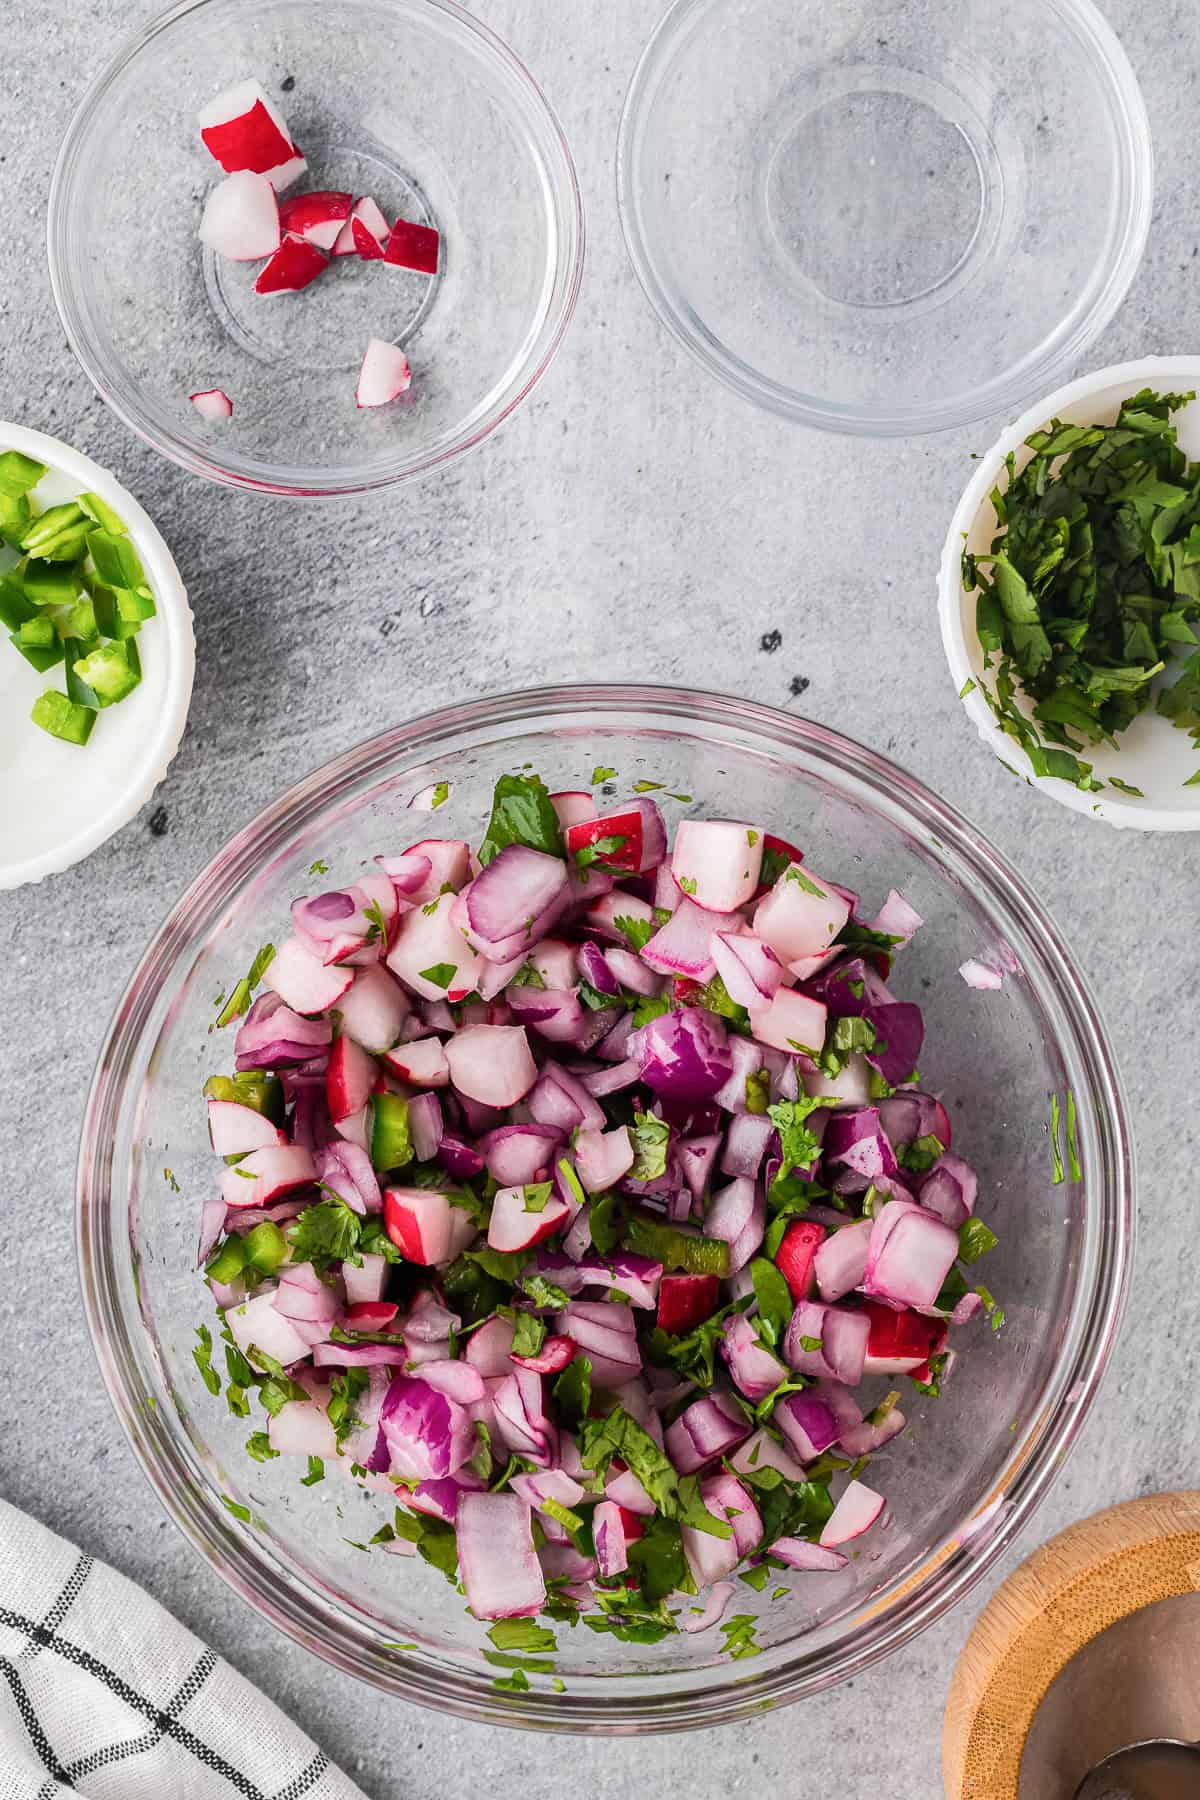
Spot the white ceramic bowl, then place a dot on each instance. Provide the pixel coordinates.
(1153, 755)
(59, 802)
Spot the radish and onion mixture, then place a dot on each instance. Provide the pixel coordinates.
(580, 1195)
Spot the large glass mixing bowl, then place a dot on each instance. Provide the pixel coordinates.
(976, 1461)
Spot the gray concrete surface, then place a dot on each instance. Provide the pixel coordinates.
(632, 521)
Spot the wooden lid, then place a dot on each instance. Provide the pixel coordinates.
(1070, 1591)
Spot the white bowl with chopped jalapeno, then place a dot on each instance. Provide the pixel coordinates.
(1071, 614)
(96, 656)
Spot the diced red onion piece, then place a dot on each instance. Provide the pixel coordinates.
(496, 1559)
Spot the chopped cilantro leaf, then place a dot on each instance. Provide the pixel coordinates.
(202, 1357)
(648, 787)
(1072, 1153)
(258, 1445)
(573, 1390)
(968, 687)
(799, 1144)
(521, 814)
(440, 795)
(687, 884)
(775, 1303)
(1057, 1173)
(601, 774)
(535, 1196)
(1125, 787)
(975, 1239)
(316, 1472)
(691, 1353)
(522, 1634)
(320, 867)
(758, 1090)
(325, 1233)
(738, 1633)
(994, 1312)
(439, 974)
(637, 932)
(602, 847)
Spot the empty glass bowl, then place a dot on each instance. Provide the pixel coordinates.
(885, 216)
(411, 101)
(974, 1463)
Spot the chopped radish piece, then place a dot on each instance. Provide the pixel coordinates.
(492, 1064)
(371, 1315)
(317, 217)
(303, 981)
(235, 1129)
(384, 374)
(431, 958)
(716, 862)
(243, 130)
(855, 1512)
(293, 266)
(573, 808)
(257, 1322)
(412, 246)
(449, 866)
(790, 1021)
(267, 1175)
(349, 1079)
(212, 403)
(980, 974)
(423, 1224)
(241, 218)
(366, 214)
(515, 1225)
(364, 242)
(800, 916)
(423, 1062)
(374, 1009)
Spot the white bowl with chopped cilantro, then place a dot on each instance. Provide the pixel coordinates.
(1071, 614)
(96, 656)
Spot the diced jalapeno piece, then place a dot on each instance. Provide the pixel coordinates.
(14, 607)
(50, 584)
(15, 514)
(19, 473)
(116, 560)
(41, 659)
(58, 526)
(62, 718)
(37, 633)
(109, 622)
(78, 690)
(102, 514)
(228, 1262)
(266, 1247)
(112, 670)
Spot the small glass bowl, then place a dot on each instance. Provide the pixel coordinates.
(882, 218)
(960, 1482)
(411, 101)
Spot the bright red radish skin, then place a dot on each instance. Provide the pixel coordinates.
(240, 220)
(384, 375)
(243, 129)
(212, 403)
(687, 1300)
(424, 1226)
(411, 246)
(293, 266)
(364, 243)
(371, 1315)
(796, 1255)
(627, 825)
(349, 1078)
(317, 217)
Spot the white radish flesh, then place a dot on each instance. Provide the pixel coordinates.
(241, 218)
(384, 375)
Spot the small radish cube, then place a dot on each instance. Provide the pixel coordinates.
(796, 1256)
(449, 862)
(374, 1009)
(241, 218)
(212, 403)
(517, 1223)
(349, 1078)
(855, 1512)
(556, 961)
(424, 1226)
(371, 1315)
(267, 1175)
(244, 130)
(573, 807)
(423, 1062)
(716, 862)
(317, 217)
(491, 1064)
(411, 246)
(366, 214)
(364, 243)
(800, 916)
(384, 375)
(235, 1129)
(790, 1022)
(432, 958)
(303, 981)
(257, 1322)
(293, 266)
(622, 835)
(603, 1157)
(687, 1300)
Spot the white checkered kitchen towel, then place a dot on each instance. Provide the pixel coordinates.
(106, 1696)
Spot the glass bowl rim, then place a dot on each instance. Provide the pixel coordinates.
(949, 1570)
(566, 269)
(1002, 393)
